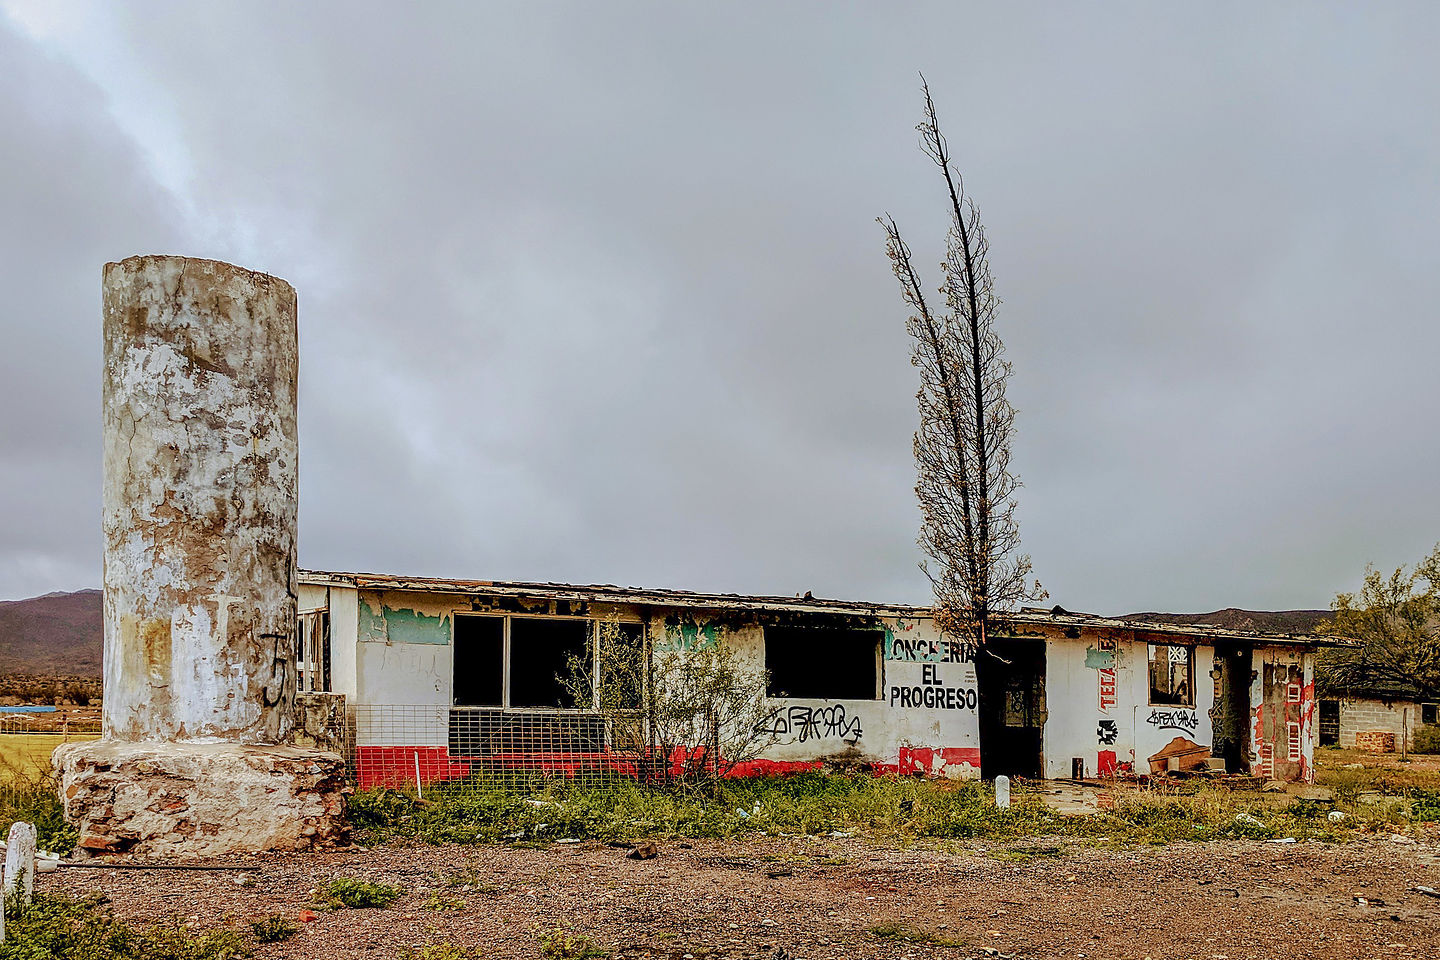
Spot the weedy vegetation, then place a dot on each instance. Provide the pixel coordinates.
(65, 928)
(439, 951)
(904, 933)
(563, 944)
(348, 893)
(272, 929)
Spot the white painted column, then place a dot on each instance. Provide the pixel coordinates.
(20, 862)
(200, 484)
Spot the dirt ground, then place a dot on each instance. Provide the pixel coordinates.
(817, 898)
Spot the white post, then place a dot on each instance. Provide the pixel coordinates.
(419, 790)
(20, 862)
(1002, 792)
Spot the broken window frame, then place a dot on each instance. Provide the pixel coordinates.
(592, 641)
(312, 652)
(1159, 698)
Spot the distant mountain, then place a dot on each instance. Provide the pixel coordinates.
(60, 634)
(1232, 618)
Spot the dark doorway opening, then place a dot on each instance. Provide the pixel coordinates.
(1011, 678)
(1329, 723)
(1230, 718)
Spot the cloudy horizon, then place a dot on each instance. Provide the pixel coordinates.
(594, 293)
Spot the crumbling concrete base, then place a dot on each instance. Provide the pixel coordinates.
(193, 800)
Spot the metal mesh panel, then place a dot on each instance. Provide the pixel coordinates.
(413, 747)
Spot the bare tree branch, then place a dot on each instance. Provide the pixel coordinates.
(965, 485)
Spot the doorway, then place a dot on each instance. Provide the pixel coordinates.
(1011, 678)
(1230, 717)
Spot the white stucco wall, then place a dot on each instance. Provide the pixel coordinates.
(940, 740)
(401, 679)
(1084, 721)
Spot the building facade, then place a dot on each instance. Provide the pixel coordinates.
(447, 677)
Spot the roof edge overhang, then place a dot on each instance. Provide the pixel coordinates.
(1018, 622)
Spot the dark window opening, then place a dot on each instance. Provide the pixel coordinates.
(479, 661)
(540, 660)
(1172, 675)
(312, 652)
(1428, 712)
(822, 663)
(1329, 723)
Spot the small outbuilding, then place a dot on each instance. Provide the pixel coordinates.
(446, 677)
(1352, 717)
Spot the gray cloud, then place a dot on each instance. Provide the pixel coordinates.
(595, 293)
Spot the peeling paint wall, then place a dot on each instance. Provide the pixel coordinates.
(925, 721)
(1098, 689)
(1283, 712)
(199, 491)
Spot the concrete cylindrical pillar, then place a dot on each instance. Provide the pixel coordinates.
(200, 485)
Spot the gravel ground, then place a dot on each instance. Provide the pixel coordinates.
(819, 898)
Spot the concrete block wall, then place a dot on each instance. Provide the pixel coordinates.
(1399, 717)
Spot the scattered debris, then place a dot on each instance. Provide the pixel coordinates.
(1185, 754)
(1337, 816)
(1427, 891)
(1248, 820)
(644, 850)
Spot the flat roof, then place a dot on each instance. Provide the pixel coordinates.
(610, 593)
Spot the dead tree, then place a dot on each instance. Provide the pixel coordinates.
(965, 483)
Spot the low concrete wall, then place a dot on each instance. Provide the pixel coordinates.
(1399, 717)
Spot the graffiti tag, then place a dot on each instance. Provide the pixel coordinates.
(1108, 731)
(1186, 721)
(279, 668)
(804, 723)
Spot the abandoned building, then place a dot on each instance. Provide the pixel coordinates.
(1378, 716)
(449, 677)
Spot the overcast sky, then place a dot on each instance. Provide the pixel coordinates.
(594, 292)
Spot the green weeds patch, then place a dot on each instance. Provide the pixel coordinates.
(903, 933)
(563, 944)
(348, 893)
(272, 929)
(891, 809)
(54, 927)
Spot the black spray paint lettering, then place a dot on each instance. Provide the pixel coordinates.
(1187, 721)
(279, 668)
(932, 694)
(813, 723)
(1108, 731)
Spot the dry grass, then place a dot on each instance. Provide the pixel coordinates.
(26, 755)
